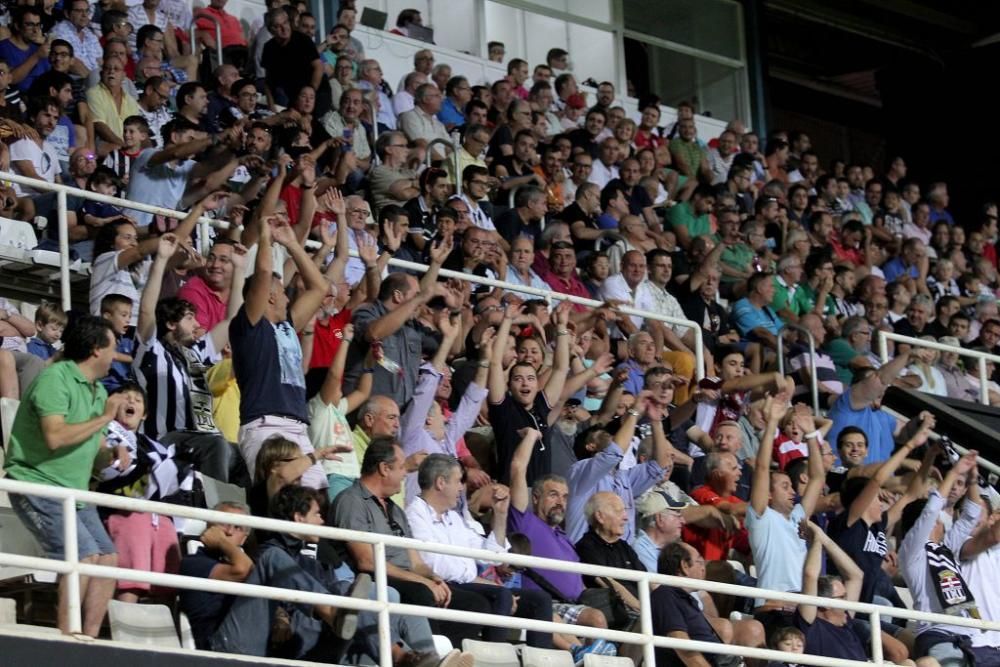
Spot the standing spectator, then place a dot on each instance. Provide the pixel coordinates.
(55, 439)
(267, 355)
(34, 158)
(231, 30)
(291, 61)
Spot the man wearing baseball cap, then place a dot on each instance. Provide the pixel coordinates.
(660, 524)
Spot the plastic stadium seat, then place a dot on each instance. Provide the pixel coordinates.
(216, 491)
(591, 660)
(442, 645)
(17, 235)
(492, 654)
(545, 657)
(150, 624)
(187, 636)
(15, 539)
(8, 409)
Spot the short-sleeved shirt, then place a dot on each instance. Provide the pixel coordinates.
(748, 317)
(402, 348)
(508, 417)
(174, 379)
(232, 31)
(738, 256)
(328, 427)
(289, 67)
(106, 278)
(832, 641)
(210, 309)
(777, 548)
(842, 354)
(619, 554)
(675, 610)
(61, 389)
(267, 360)
(877, 425)
(682, 215)
(15, 57)
(157, 185)
(205, 610)
(381, 178)
(547, 542)
(44, 158)
(712, 543)
(357, 508)
(866, 544)
(105, 110)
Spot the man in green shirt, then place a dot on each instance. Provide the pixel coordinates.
(57, 433)
(689, 219)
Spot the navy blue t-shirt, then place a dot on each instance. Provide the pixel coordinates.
(831, 641)
(675, 610)
(866, 544)
(267, 362)
(205, 610)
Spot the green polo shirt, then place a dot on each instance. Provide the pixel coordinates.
(682, 215)
(805, 300)
(781, 300)
(739, 257)
(842, 354)
(60, 389)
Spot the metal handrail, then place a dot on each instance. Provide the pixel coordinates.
(813, 382)
(455, 147)
(981, 357)
(549, 295)
(374, 115)
(200, 13)
(72, 569)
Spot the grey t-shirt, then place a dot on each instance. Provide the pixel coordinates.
(357, 508)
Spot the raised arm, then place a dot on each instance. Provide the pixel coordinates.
(165, 248)
(888, 469)
(560, 366)
(817, 476)
(316, 286)
(220, 332)
(497, 376)
(520, 494)
(260, 282)
(760, 490)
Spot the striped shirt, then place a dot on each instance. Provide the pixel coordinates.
(175, 384)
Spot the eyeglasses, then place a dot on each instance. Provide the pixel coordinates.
(399, 145)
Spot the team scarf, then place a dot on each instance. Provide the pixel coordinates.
(953, 593)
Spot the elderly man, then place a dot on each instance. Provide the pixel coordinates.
(723, 474)
(476, 139)
(345, 122)
(433, 518)
(370, 80)
(392, 182)
(527, 216)
(76, 30)
(561, 275)
(423, 63)
(421, 124)
(660, 524)
(385, 324)
(458, 93)
(110, 104)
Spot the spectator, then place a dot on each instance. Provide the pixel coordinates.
(346, 123)
(392, 182)
(606, 544)
(527, 216)
(153, 107)
(55, 438)
(690, 158)
(110, 104)
(76, 30)
(33, 157)
(291, 61)
(660, 523)
(26, 51)
(370, 79)
(209, 291)
(421, 125)
(404, 101)
(230, 28)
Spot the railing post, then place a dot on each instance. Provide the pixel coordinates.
(382, 595)
(646, 623)
(781, 352)
(204, 243)
(883, 347)
(984, 396)
(64, 292)
(875, 619)
(71, 554)
(812, 373)
(699, 354)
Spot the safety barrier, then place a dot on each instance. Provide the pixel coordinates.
(71, 568)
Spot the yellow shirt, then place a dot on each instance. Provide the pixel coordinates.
(103, 108)
(225, 399)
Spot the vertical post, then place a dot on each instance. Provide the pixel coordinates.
(781, 352)
(875, 619)
(699, 354)
(204, 231)
(984, 397)
(646, 623)
(218, 42)
(382, 595)
(71, 555)
(321, 17)
(883, 347)
(64, 292)
(812, 370)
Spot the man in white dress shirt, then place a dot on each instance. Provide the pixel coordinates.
(433, 517)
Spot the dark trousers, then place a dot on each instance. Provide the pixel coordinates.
(530, 604)
(211, 455)
(411, 592)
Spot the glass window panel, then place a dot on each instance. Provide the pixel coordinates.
(448, 13)
(555, 37)
(592, 52)
(503, 24)
(709, 25)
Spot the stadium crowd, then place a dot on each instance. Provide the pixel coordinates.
(342, 389)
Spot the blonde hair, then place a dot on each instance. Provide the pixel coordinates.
(275, 449)
(50, 313)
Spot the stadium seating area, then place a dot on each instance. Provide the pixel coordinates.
(285, 366)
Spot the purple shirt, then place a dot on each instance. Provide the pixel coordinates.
(416, 438)
(547, 542)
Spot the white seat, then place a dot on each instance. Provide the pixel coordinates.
(492, 654)
(738, 566)
(545, 657)
(591, 660)
(217, 491)
(442, 645)
(149, 624)
(17, 234)
(187, 635)
(15, 539)
(8, 410)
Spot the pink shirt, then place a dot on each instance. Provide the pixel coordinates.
(209, 308)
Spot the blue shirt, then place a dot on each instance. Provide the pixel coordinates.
(748, 317)
(40, 348)
(877, 425)
(15, 57)
(606, 221)
(895, 268)
(450, 114)
(647, 551)
(636, 377)
(120, 372)
(601, 473)
(777, 548)
(157, 185)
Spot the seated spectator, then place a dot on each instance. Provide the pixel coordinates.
(291, 61)
(562, 276)
(154, 107)
(691, 219)
(404, 101)
(458, 93)
(392, 182)
(421, 125)
(606, 544)
(231, 30)
(76, 30)
(527, 216)
(26, 50)
(346, 123)
(476, 138)
(110, 104)
(660, 523)
(753, 317)
(370, 80)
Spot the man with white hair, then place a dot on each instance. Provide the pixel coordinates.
(403, 100)
(370, 80)
(421, 125)
(660, 523)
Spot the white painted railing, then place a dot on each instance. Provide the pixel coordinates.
(72, 569)
(980, 357)
(62, 191)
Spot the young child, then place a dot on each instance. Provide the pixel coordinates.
(788, 639)
(942, 282)
(50, 321)
(789, 445)
(135, 136)
(141, 468)
(117, 309)
(96, 214)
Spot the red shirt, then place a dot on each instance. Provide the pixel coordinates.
(327, 339)
(230, 29)
(292, 196)
(571, 286)
(209, 308)
(711, 543)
